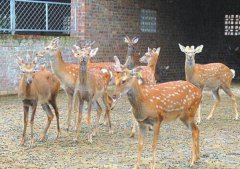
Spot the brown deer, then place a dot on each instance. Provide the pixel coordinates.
(66, 72)
(130, 43)
(91, 85)
(37, 86)
(213, 76)
(146, 73)
(154, 104)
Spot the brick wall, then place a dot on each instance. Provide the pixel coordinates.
(188, 22)
(15, 46)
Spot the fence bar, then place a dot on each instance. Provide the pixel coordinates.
(48, 2)
(46, 16)
(12, 16)
(75, 18)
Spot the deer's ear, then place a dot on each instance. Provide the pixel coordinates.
(34, 61)
(182, 48)
(199, 49)
(55, 42)
(19, 61)
(126, 39)
(149, 49)
(93, 52)
(236, 49)
(158, 50)
(135, 40)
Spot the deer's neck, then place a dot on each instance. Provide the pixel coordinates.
(189, 69)
(27, 91)
(129, 53)
(134, 93)
(58, 65)
(83, 76)
(153, 62)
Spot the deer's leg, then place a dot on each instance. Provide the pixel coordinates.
(99, 112)
(228, 91)
(142, 134)
(217, 100)
(70, 102)
(75, 112)
(25, 110)
(189, 122)
(34, 107)
(54, 105)
(89, 120)
(156, 130)
(195, 149)
(134, 124)
(47, 109)
(106, 100)
(199, 109)
(80, 110)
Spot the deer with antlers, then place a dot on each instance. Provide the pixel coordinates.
(146, 73)
(213, 76)
(91, 85)
(37, 86)
(154, 104)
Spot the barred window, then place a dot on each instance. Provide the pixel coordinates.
(37, 17)
(232, 25)
(148, 20)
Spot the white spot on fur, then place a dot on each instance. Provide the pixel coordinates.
(104, 70)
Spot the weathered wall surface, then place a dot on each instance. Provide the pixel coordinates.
(15, 46)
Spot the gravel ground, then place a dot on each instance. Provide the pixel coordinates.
(219, 140)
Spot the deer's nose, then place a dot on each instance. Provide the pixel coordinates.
(114, 97)
(29, 80)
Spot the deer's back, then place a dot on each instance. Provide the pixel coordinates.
(212, 75)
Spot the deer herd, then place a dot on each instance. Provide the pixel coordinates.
(151, 103)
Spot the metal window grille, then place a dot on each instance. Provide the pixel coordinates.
(232, 25)
(148, 20)
(37, 16)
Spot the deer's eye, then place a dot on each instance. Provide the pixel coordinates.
(124, 81)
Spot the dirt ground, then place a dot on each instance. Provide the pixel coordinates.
(219, 140)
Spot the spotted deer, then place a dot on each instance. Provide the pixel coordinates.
(37, 86)
(146, 73)
(154, 104)
(130, 43)
(91, 85)
(213, 76)
(67, 73)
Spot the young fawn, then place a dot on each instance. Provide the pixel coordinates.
(90, 86)
(213, 76)
(37, 86)
(153, 104)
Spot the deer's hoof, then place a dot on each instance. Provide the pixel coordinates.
(32, 141)
(42, 138)
(152, 166)
(90, 138)
(209, 117)
(192, 161)
(236, 118)
(22, 142)
(111, 131)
